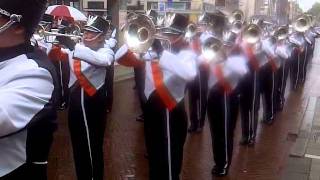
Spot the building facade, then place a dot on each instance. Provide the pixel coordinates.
(95, 6)
(248, 7)
(294, 9)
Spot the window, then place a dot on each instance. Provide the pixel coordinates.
(221, 3)
(95, 5)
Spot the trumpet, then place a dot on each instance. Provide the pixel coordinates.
(45, 34)
(140, 33)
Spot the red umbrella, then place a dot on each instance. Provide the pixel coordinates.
(66, 12)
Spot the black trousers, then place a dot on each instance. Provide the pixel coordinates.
(282, 73)
(296, 69)
(156, 138)
(87, 119)
(63, 72)
(139, 78)
(268, 87)
(28, 171)
(249, 104)
(222, 115)
(109, 86)
(198, 92)
(307, 58)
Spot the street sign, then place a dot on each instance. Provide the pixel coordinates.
(161, 7)
(170, 4)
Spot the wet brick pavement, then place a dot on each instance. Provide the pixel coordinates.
(125, 150)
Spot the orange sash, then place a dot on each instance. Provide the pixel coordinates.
(252, 58)
(221, 80)
(161, 89)
(273, 64)
(83, 81)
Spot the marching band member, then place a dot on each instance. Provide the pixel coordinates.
(198, 88)
(109, 81)
(87, 105)
(139, 74)
(211, 23)
(165, 81)
(309, 36)
(226, 68)
(285, 51)
(297, 39)
(28, 94)
(268, 78)
(250, 46)
(41, 41)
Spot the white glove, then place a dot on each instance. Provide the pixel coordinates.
(114, 33)
(121, 52)
(281, 51)
(237, 65)
(112, 43)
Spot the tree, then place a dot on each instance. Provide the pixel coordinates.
(315, 10)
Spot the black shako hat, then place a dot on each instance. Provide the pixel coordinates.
(213, 18)
(175, 23)
(31, 12)
(97, 24)
(47, 18)
(153, 15)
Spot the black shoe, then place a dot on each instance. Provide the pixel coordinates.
(62, 106)
(279, 106)
(146, 155)
(268, 121)
(140, 118)
(219, 172)
(244, 142)
(199, 129)
(251, 142)
(192, 129)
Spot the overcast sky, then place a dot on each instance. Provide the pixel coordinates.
(307, 4)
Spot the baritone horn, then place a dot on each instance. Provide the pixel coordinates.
(251, 34)
(236, 15)
(281, 32)
(191, 31)
(236, 26)
(140, 33)
(211, 48)
(302, 23)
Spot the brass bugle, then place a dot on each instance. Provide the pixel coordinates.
(43, 33)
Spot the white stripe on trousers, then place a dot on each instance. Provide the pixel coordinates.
(61, 78)
(282, 80)
(86, 125)
(199, 101)
(272, 93)
(226, 128)
(295, 86)
(169, 143)
(252, 118)
(304, 63)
